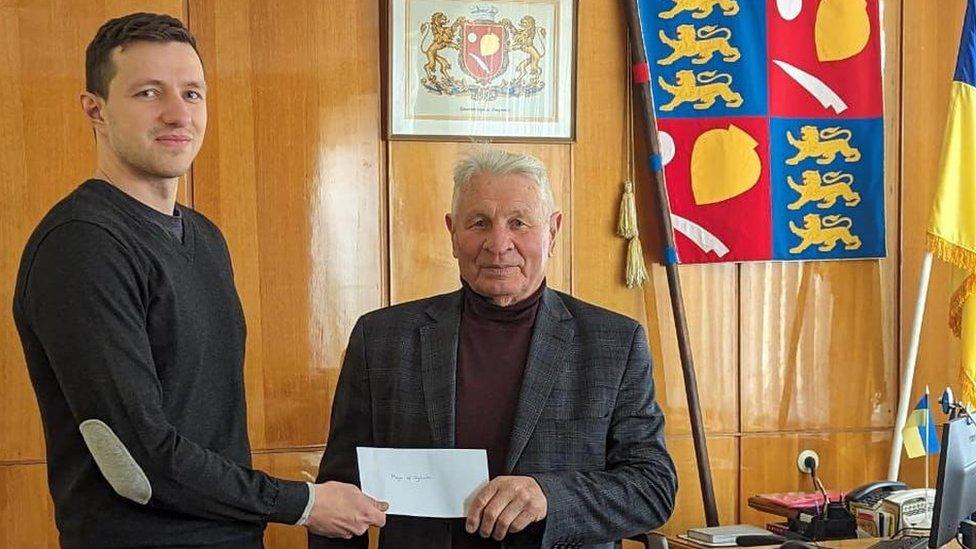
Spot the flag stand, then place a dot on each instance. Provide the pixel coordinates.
(908, 375)
(641, 82)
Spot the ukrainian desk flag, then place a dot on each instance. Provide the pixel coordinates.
(919, 435)
(952, 226)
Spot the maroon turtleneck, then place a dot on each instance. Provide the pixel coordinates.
(493, 346)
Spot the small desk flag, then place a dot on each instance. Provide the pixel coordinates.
(920, 434)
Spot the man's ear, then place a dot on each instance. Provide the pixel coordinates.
(449, 222)
(93, 107)
(555, 222)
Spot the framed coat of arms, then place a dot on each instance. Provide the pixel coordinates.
(462, 69)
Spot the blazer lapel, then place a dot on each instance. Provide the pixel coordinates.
(438, 343)
(551, 337)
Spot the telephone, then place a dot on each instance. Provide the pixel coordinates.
(884, 508)
(874, 492)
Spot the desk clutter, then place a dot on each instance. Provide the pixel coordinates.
(877, 510)
(881, 509)
(812, 516)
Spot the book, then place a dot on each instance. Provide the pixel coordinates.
(725, 534)
(698, 543)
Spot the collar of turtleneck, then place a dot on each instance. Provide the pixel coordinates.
(480, 307)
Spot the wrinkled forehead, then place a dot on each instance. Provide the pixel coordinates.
(502, 194)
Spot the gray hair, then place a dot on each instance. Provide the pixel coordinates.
(501, 162)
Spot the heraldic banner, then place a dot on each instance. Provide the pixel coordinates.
(770, 116)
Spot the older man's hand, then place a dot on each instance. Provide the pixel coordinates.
(506, 505)
(342, 511)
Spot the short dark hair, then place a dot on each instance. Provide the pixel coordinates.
(148, 27)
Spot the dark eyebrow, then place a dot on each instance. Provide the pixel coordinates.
(196, 84)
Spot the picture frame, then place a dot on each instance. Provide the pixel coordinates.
(502, 70)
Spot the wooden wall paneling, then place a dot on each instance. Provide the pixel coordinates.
(768, 464)
(892, 314)
(49, 150)
(713, 324)
(305, 220)
(931, 41)
(723, 453)
(26, 510)
(420, 186)
(813, 352)
(599, 165)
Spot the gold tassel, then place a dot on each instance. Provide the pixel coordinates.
(636, 272)
(627, 228)
(627, 225)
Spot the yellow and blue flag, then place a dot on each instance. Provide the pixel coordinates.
(952, 226)
(919, 435)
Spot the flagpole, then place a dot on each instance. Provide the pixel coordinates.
(641, 82)
(928, 426)
(908, 375)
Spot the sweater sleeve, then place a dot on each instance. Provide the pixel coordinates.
(85, 302)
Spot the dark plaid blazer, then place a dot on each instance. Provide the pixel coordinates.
(587, 427)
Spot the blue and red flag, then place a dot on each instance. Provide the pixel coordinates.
(770, 114)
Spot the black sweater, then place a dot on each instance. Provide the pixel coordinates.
(124, 324)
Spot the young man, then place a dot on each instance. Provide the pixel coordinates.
(134, 334)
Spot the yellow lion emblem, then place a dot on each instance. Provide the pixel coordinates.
(824, 234)
(826, 190)
(824, 145)
(529, 39)
(702, 90)
(701, 8)
(701, 44)
(441, 36)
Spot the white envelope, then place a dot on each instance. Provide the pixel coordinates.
(423, 482)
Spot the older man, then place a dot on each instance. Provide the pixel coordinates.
(558, 391)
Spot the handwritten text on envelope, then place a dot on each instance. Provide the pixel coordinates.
(423, 482)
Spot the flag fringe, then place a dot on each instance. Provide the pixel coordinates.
(952, 253)
(963, 259)
(958, 301)
(968, 384)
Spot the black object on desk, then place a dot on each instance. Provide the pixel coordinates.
(905, 542)
(836, 523)
(797, 544)
(755, 540)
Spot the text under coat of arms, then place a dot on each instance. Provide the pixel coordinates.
(485, 48)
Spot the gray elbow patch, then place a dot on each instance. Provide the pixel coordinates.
(115, 462)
